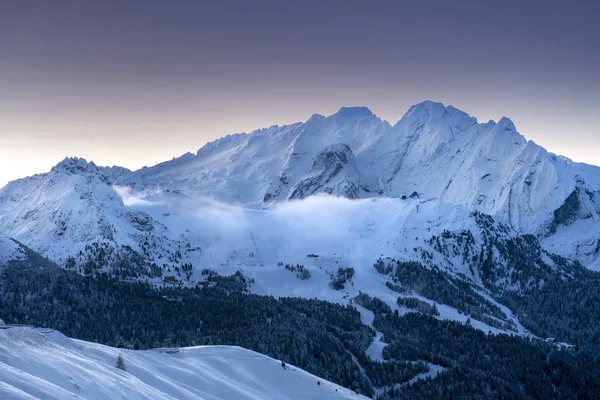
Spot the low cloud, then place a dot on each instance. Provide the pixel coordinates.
(320, 224)
(131, 200)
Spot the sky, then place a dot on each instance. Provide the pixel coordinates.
(133, 83)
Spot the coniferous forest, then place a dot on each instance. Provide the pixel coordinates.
(326, 339)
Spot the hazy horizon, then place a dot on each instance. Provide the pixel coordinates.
(135, 83)
(194, 150)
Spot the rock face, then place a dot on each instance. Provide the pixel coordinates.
(334, 172)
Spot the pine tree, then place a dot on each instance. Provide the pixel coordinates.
(121, 363)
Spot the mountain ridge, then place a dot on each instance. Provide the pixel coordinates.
(436, 151)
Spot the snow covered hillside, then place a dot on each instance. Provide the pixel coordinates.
(44, 364)
(297, 249)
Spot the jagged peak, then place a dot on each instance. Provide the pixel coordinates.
(354, 112)
(188, 154)
(185, 157)
(76, 165)
(505, 128)
(505, 124)
(315, 118)
(427, 105)
(182, 159)
(73, 164)
(430, 110)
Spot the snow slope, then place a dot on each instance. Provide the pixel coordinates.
(323, 233)
(43, 364)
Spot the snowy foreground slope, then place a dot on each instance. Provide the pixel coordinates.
(44, 364)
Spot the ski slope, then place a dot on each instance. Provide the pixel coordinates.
(43, 364)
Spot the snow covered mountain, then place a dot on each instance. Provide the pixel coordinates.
(433, 152)
(437, 214)
(41, 363)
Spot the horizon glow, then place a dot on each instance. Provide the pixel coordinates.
(127, 84)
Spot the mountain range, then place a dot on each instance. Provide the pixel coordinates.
(433, 153)
(438, 214)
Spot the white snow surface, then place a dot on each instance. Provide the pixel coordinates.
(43, 364)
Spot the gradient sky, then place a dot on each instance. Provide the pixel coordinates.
(130, 83)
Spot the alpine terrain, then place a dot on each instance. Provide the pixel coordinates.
(435, 257)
